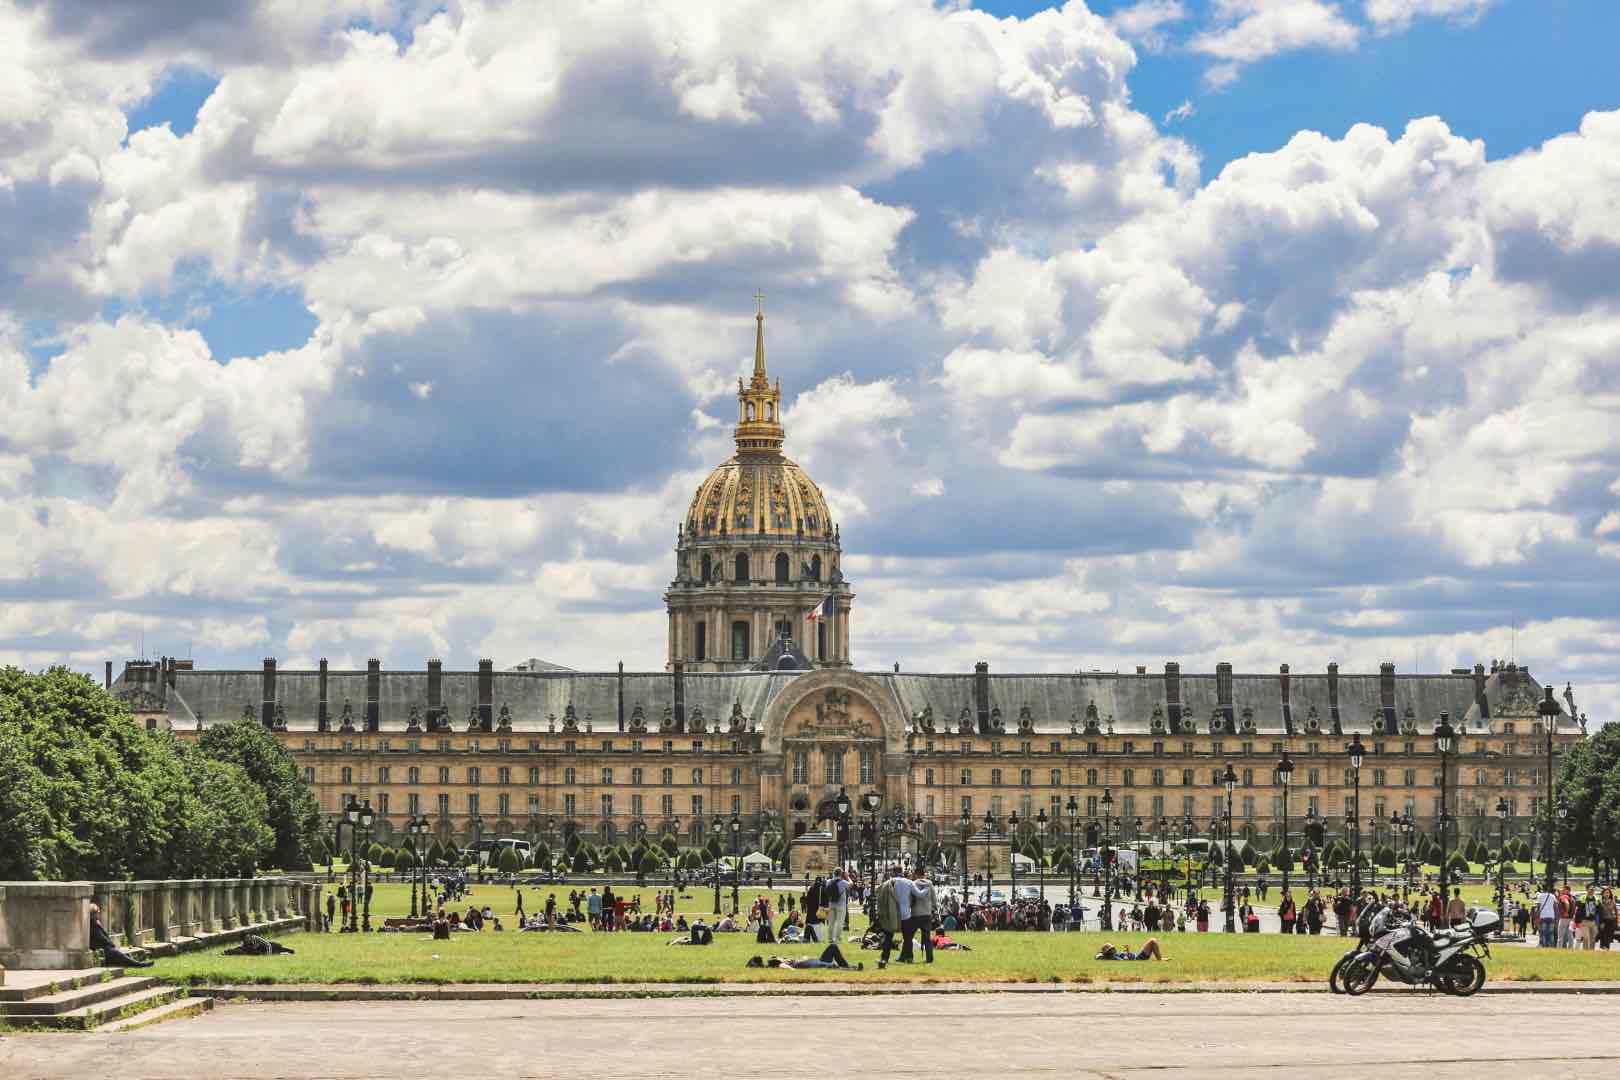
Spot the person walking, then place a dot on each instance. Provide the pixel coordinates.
(331, 910)
(885, 911)
(1546, 905)
(835, 894)
(1286, 913)
(1456, 910)
(1566, 917)
(1607, 916)
(922, 915)
(520, 907)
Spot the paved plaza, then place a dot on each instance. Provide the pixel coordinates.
(1171, 1035)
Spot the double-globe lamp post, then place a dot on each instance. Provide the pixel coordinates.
(1443, 734)
(418, 829)
(360, 819)
(1229, 781)
(1356, 752)
(967, 828)
(1285, 777)
(1073, 808)
(1501, 860)
(1107, 856)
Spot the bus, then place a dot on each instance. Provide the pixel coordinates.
(489, 851)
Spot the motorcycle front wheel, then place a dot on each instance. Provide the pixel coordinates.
(1359, 975)
(1462, 977)
(1336, 976)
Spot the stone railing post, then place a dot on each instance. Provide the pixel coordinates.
(150, 903)
(184, 894)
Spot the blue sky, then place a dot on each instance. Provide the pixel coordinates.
(397, 331)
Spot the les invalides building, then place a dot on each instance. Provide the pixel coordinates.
(758, 715)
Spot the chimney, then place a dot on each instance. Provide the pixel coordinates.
(1172, 694)
(1287, 701)
(435, 687)
(373, 694)
(1141, 669)
(486, 695)
(981, 694)
(1479, 692)
(109, 675)
(1333, 698)
(267, 710)
(680, 694)
(323, 718)
(1386, 694)
(621, 695)
(1223, 693)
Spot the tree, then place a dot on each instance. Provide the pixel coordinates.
(540, 856)
(390, 858)
(375, 853)
(582, 861)
(1246, 853)
(671, 845)
(1457, 863)
(404, 859)
(1337, 854)
(88, 794)
(649, 863)
(510, 862)
(1384, 855)
(613, 862)
(294, 816)
(1262, 863)
(1588, 786)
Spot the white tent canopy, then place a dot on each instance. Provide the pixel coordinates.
(1021, 860)
(756, 858)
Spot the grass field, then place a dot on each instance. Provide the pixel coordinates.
(597, 958)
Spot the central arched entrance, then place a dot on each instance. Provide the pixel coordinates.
(830, 731)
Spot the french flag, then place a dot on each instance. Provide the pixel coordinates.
(822, 610)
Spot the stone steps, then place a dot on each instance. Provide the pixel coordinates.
(23, 988)
(174, 1010)
(73, 998)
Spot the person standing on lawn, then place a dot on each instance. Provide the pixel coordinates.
(1608, 914)
(331, 911)
(884, 910)
(1546, 905)
(1456, 910)
(835, 894)
(1286, 913)
(922, 915)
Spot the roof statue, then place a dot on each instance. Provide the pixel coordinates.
(504, 722)
(695, 722)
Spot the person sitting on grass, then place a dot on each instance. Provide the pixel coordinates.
(941, 941)
(1149, 951)
(699, 935)
(727, 925)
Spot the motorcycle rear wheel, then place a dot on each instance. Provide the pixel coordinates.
(1463, 977)
(1359, 975)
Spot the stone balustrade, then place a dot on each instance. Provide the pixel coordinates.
(46, 924)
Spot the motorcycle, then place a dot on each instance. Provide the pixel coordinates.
(1450, 960)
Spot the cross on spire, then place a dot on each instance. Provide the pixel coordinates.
(759, 298)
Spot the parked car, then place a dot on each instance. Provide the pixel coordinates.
(1028, 892)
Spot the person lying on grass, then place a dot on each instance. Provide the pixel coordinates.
(803, 963)
(1149, 951)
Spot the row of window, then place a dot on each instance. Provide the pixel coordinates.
(1313, 778)
(503, 775)
(710, 569)
(1244, 807)
(570, 806)
(504, 746)
(742, 639)
(832, 767)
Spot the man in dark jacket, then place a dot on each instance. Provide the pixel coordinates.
(812, 909)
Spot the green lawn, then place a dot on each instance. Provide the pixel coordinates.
(589, 957)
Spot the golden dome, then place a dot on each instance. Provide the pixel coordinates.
(758, 492)
(745, 498)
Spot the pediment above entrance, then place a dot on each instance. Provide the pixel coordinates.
(833, 705)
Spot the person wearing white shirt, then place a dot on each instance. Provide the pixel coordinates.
(835, 894)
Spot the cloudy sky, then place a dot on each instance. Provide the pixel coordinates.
(1249, 330)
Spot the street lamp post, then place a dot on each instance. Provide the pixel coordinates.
(967, 827)
(1501, 860)
(736, 857)
(1310, 836)
(1136, 839)
(1073, 808)
(1563, 813)
(1356, 752)
(1012, 855)
(417, 827)
(365, 828)
(991, 827)
(1186, 852)
(872, 802)
(1040, 833)
(1107, 860)
(842, 804)
(1547, 710)
(1285, 777)
(717, 827)
(351, 812)
(478, 846)
(1164, 860)
(1443, 734)
(1229, 781)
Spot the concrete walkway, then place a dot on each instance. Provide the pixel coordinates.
(1005, 1035)
(806, 984)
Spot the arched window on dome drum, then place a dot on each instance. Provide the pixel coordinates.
(770, 411)
(781, 568)
(739, 640)
(821, 640)
(707, 569)
(750, 412)
(702, 650)
(741, 574)
(815, 568)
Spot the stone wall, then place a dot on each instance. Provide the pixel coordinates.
(46, 924)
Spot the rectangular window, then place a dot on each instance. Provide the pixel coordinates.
(607, 776)
(413, 804)
(635, 777)
(1158, 778)
(382, 774)
(736, 805)
(472, 775)
(697, 745)
(309, 774)
(348, 775)
(1315, 776)
(697, 806)
(967, 747)
(635, 806)
(534, 774)
(1130, 778)
(1378, 778)
(697, 776)
(801, 767)
(1276, 808)
(967, 777)
(868, 766)
(666, 803)
(1091, 806)
(995, 777)
(382, 803)
(444, 774)
(413, 775)
(1056, 748)
(1186, 806)
(569, 805)
(1248, 778)
(1024, 777)
(504, 774)
(736, 776)
(1186, 778)
(607, 746)
(1158, 808)
(834, 761)
(505, 803)
(444, 806)
(607, 806)
(568, 776)
(667, 777)
(1248, 807)
(534, 805)
(928, 778)
(1127, 808)
(1091, 777)
(1130, 747)
(1410, 777)
(1057, 777)
(995, 807)
(472, 805)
